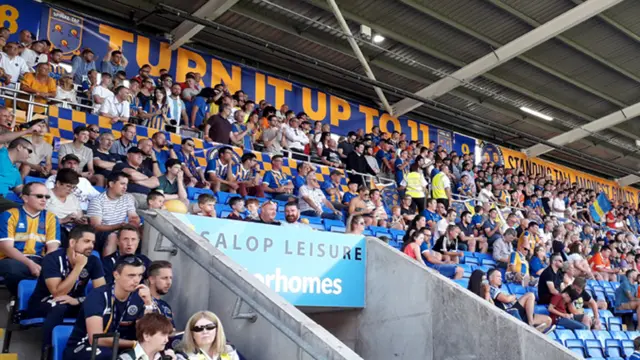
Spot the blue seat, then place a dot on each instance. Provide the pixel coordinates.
(30, 179)
(552, 335)
(396, 234)
(584, 335)
(627, 347)
(488, 262)
(193, 193)
(312, 219)
(468, 269)
(317, 226)
(564, 335)
(594, 348)
(462, 282)
(605, 314)
(602, 336)
(60, 336)
(633, 334)
(614, 324)
(471, 260)
(225, 213)
(618, 335)
(367, 232)
(334, 225)
(99, 189)
(482, 256)
(576, 346)
(25, 290)
(541, 309)
(485, 268)
(517, 289)
(613, 348)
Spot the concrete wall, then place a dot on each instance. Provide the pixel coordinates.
(196, 289)
(415, 313)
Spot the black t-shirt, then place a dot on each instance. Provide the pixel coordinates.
(331, 155)
(466, 230)
(440, 245)
(413, 209)
(132, 187)
(144, 99)
(114, 158)
(219, 130)
(346, 148)
(548, 275)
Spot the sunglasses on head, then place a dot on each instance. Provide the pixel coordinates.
(41, 196)
(132, 260)
(202, 328)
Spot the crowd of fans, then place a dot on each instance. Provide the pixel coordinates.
(538, 230)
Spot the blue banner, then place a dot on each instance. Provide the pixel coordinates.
(463, 144)
(17, 15)
(306, 267)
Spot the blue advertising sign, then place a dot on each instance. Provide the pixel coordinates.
(463, 144)
(305, 266)
(18, 15)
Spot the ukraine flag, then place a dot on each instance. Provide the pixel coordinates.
(600, 208)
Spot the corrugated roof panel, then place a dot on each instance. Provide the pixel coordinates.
(626, 13)
(541, 10)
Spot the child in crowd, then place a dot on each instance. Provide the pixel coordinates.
(252, 207)
(155, 200)
(397, 221)
(237, 205)
(207, 205)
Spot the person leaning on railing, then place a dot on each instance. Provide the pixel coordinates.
(40, 85)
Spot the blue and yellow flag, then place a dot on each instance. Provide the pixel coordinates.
(600, 208)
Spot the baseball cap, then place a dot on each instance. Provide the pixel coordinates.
(69, 157)
(134, 150)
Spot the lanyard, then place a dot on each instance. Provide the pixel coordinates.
(67, 270)
(113, 310)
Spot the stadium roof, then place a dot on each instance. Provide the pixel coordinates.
(583, 70)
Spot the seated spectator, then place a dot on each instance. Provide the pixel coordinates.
(397, 221)
(81, 65)
(601, 264)
(63, 203)
(252, 210)
(103, 159)
(491, 227)
(13, 65)
(379, 212)
(83, 191)
(550, 280)
(237, 208)
(40, 85)
(350, 194)
(152, 334)
(220, 171)
(249, 182)
(524, 305)
(275, 182)
(127, 243)
(359, 206)
(518, 269)
(207, 205)
(412, 247)
(160, 280)
(446, 244)
(431, 214)
(95, 318)
(111, 211)
(268, 212)
(448, 218)
(102, 92)
(39, 162)
(434, 259)
(467, 235)
(159, 142)
(155, 200)
(538, 261)
(300, 179)
(7, 123)
(66, 91)
(193, 172)
(141, 179)
(26, 233)
(479, 285)
(292, 216)
(584, 299)
(204, 338)
(331, 189)
(558, 309)
(64, 276)
(531, 235)
(312, 200)
(116, 107)
(172, 182)
(114, 61)
(408, 209)
(77, 148)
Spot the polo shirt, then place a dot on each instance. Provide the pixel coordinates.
(119, 148)
(274, 179)
(328, 184)
(133, 187)
(83, 153)
(346, 198)
(116, 315)
(166, 186)
(431, 216)
(111, 211)
(14, 67)
(203, 109)
(109, 264)
(10, 175)
(29, 232)
(57, 265)
(113, 107)
(219, 168)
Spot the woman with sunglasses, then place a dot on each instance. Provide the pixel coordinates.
(357, 225)
(204, 339)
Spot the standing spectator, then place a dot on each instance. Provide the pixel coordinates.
(14, 66)
(111, 211)
(384, 157)
(330, 155)
(40, 85)
(117, 107)
(441, 186)
(57, 70)
(273, 138)
(200, 107)
(144, 96)
(127, 243)
(90, 83)
(82, 64)
(249, 182)
(39, 162)
(77, 148)
(346, 147)
(243, 133)
(177, 107)
(113, 62)
(204, 338)
(83, 191)
(7, 121)
(65, 274)
(34, 54)
(218, 128)
(129, 300)
(125, 142)
(144, 73)
(103, 160)
(356, 162)
(102, 92)
(276, 182)
(26, 232)
(172, 182)
(193, 172)
(550, 280)
(25, 38)
(312, 200)
(66, 91)
(157, 110)
(296, 138)
(416, 187)
(152, 334)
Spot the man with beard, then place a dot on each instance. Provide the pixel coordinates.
(160, 280)
(292, 215)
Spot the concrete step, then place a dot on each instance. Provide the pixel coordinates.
(24, 344)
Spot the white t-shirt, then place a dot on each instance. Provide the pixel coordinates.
(441, 228)
(84, 192)
(558, 208)
(485, 195)
(104, 93)
(113, 107)
(40, 153)
(14, 67)
(66, 95)
(62, 209)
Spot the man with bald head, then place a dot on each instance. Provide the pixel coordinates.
(150, 161)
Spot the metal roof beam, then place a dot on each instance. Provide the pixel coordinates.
(623, 29)
(507, 52)
(211, 10)
(566, 40)
(586, 130)
(358, 53)
(522, 57)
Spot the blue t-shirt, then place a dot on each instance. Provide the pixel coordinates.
(109, 264)
(536, 265)
(203, 109)
(162, 156)
(491, 225)
(275, 179)
(400, 173)
(346, 198)
(431, 216)
(57, 265)
(10, 175)
(246, 140)
(380, 155)
(119, 315)
(621, 291)
(298, 182)
(217, 167)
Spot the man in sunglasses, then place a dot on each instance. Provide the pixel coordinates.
(111, 308)
(17, 152)
(25, 232)
(60, 289)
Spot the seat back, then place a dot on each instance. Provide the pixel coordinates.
(59, 339)
(618, 335)
(627, 347)
(613, 348)
(564, 335)
(602, 336)
(25, 290)
(584, 334)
